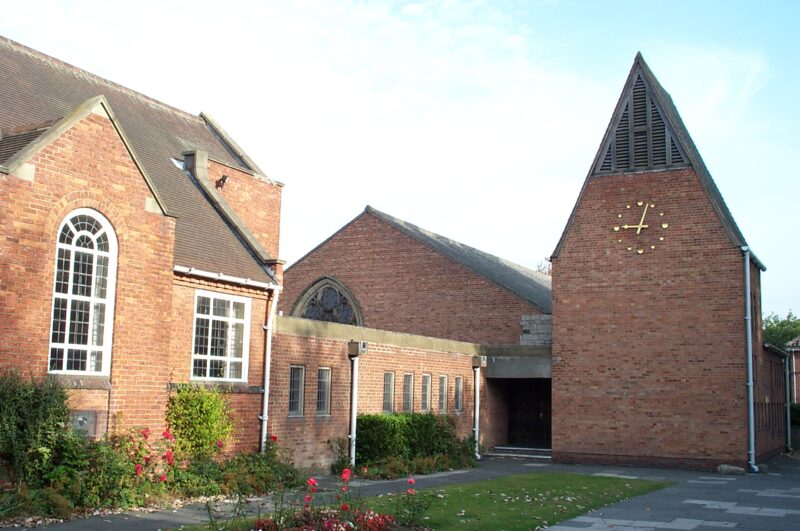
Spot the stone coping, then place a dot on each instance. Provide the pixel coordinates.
(309, 328)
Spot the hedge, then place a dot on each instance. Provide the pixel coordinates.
(405, 435)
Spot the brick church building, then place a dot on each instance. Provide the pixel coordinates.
(134, 260)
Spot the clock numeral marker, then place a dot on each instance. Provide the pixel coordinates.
(627, 206)
(630, 248)
(640, 251)
(661, 238)
(660, 213)
(652, 246)
(665, 225)
(616, 228)
(639, 203)
(652, 205)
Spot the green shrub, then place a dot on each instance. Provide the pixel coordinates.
(796, 414)
(391, 446)
(33, 417)
(200, 419)
(381, 436)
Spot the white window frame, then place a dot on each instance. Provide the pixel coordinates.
(459, 395)
(326, 392)
(388, 392)
(301, 390)
(408, 392)
(230, 320)
(70, 298)
(443, 393)
(426, 393)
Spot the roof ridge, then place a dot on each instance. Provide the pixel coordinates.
(80, 72)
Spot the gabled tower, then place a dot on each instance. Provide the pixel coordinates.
(649, 296)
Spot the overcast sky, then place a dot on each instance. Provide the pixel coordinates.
(476, 120)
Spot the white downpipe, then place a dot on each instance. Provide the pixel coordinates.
(793, 378)
(751, 423)
(353, 410)
(477, 407)
(264, 417)
(788, 405)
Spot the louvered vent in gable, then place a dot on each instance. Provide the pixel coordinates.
(641, 139)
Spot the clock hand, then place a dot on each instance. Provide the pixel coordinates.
(636, 227)
(641, 221)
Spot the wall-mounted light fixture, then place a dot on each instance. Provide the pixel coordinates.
(221, 181)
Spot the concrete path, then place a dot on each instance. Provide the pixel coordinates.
(697, 500)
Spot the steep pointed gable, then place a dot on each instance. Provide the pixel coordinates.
(646, 133)
(639, 137)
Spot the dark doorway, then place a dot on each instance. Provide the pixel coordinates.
(528, 412)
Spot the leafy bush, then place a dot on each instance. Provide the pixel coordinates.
(381, 436)
(796, 414)
(390, 446)
(33, 416)
(200, 420)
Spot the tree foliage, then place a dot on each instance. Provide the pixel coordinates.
(779, 331)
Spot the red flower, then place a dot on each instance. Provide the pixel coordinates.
(147, 459)
(308, 498)
(312, 482)
(345, 507)
(169, 457)
(411, 492)
(346, 474)
(411, 481)
(274, 438)
(313, 489)
(344, 488)
(138, 469)
(167, 435)
(145, 433)
(163, 478)
(219, 444)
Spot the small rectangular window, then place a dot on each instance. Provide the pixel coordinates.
(459, 400)
(323, 391)
(388, 392)
(297, 376)
(442, 394)
(408, 393)
(426, 392)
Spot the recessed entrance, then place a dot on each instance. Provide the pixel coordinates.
(529, 420)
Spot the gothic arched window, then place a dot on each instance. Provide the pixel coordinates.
(83, 295)
(328, 300)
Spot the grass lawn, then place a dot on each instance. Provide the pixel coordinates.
(524, 501)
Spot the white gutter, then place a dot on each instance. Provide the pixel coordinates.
(477, 407)
(751, 424)
(194, 272)
(264, 417)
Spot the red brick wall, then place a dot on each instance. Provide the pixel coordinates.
(311, 437)
(89, 166)
(245, 403)
(256, 200)
(403, 285)
(649, 350)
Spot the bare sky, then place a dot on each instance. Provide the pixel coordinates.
(477, 120)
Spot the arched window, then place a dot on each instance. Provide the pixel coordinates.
(328, 300)
(83, 295)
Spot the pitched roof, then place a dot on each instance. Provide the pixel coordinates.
(525, 283)
(35, 88)
(681, 147)
(11, 144)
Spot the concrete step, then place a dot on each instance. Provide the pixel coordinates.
(519, 452)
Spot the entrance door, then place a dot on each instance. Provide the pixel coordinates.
(529, 412)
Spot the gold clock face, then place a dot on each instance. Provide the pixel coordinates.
(640, 227)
